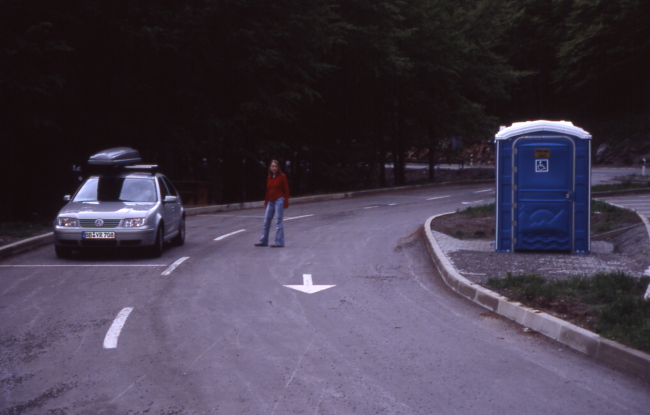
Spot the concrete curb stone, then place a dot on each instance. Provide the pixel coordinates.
(26, 244)
(591, 344)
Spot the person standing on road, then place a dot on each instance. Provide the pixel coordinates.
(276, 200)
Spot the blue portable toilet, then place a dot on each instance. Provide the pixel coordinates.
(543, 187)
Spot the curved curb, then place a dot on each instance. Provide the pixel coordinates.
(645, 220)
(25, 244)
(608, 351)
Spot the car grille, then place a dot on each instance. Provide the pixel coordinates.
(91, 223)
(99, 242)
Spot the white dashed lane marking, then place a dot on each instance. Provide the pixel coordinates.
(229, 234)
(110, 341)
(237, 216)
(299, 217)
(173, 266)
(438, 197)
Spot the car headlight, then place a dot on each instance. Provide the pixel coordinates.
(133, 222)
(65, 221)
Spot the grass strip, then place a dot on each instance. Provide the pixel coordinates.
(605, 217)
(478, 210)
(610, 304)
(630, 183)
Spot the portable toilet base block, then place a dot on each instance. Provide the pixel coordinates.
(543, 187)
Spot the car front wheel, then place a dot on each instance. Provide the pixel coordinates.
(157, 247)
(62, 251)
(180, 238)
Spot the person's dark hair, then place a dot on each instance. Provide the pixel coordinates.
(279, 168)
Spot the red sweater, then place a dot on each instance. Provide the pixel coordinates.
(277, 187)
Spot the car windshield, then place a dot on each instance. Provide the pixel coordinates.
(117, 189)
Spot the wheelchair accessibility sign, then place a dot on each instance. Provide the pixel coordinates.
(541, 166)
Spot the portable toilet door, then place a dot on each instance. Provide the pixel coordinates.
(548, 180)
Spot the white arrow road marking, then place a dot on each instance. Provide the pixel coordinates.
(229, 234)
(308, 285)
(438, 197)
(110, 341)
(174, 265)
(299, 217)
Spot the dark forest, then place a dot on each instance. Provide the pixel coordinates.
(212, 90)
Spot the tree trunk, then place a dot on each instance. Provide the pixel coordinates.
(382, 168)
(399, 156)
(432, 155)
(432, 163)
(296, 173)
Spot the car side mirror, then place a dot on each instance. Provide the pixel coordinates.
(170, 199)
(66, 198)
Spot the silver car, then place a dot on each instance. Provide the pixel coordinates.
(125, 206)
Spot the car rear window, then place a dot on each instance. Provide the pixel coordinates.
(117, 189)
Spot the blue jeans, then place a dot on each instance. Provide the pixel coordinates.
(275, 207)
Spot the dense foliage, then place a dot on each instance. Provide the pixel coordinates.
(213, 89)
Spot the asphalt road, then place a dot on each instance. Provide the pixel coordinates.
(609, 174)
(222, 334)
(638, 202)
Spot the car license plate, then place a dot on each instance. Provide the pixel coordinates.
(98, 235)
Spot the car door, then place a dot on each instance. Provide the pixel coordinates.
(171, 210)
(544, 193)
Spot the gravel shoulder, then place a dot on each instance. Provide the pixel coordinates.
(626, 247)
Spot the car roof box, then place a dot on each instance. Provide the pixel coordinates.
(118, 156)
